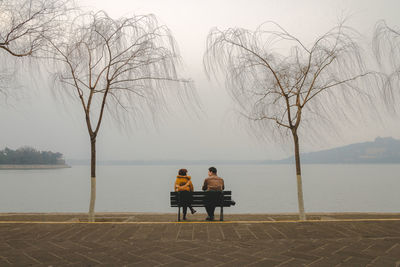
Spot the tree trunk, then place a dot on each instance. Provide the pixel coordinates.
(92, 178)
(298, 175)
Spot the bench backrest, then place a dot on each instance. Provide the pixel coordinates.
(201, 198)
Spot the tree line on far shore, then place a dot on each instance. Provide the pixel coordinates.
(29, 155)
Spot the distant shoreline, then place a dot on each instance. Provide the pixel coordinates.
(32, 166)
(215, 162)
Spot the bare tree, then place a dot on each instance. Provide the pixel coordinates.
(111, 66)
(386, 46)
(289, 90)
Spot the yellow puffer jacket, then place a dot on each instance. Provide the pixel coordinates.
(183, 183)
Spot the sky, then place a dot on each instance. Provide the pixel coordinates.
(36, 117)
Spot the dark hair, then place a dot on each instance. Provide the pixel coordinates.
(182, 172)
(213, 170)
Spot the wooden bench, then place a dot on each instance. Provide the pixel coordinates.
(201, 199)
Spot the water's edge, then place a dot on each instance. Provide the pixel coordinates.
(32, 166)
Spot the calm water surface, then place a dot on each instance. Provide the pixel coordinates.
(256, 188)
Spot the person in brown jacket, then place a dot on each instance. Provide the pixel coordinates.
(212, 183)
(183, 183)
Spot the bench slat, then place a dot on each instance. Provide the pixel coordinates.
(203, 193)
(200, 198)
(201, 201)
(226, 203)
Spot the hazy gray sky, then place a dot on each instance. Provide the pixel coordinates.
(47, 123)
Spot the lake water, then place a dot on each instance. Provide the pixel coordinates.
(256, 188)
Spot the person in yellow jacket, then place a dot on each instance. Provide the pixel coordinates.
(183, 183)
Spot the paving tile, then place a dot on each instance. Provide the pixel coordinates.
(302, 256)
(246, 235)
(253, 250)
(157, 232)
(47, 246)
(200, 232)
(384, 261)
(45, 257)
(394, 251)
(258, 232)
(18, 244)
(355, 261)
(187, 257)
(185, 235)
(80, 257)
(212, 256)
(271, 251)
(146, 249)
(177, 263)
(200, 250)
(75, 258)
(100, 235)
(93, 233)
(70, 230)
(277, 257)
(380, 246)
(328, 248)
(329, 260)
(18, 258)
(243, 256)
(206, 263)
(171, 232)
(77, 233)
(70, 245)
(273, 232)
(4, 262)
(265, 262)
(104, 258)
(144, 263)
(235, 262)
(214, 232)
(126, 233)
(309, 247)
(142, 233)
(161, 258)
(126, 257)
(293, 262)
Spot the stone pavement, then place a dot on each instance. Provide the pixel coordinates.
(336, 242)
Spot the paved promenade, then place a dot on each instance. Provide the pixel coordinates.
(335, 240)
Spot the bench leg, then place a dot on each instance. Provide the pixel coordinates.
(179, 214)
(221, 215)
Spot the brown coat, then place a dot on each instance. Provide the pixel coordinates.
(183, 183)
(213, 183)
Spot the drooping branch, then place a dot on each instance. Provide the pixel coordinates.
(26, 24)
(386, 47)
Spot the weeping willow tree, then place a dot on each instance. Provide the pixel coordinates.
(281, 84)
(123, 67)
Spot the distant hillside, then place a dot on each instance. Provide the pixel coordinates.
(381, 150)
